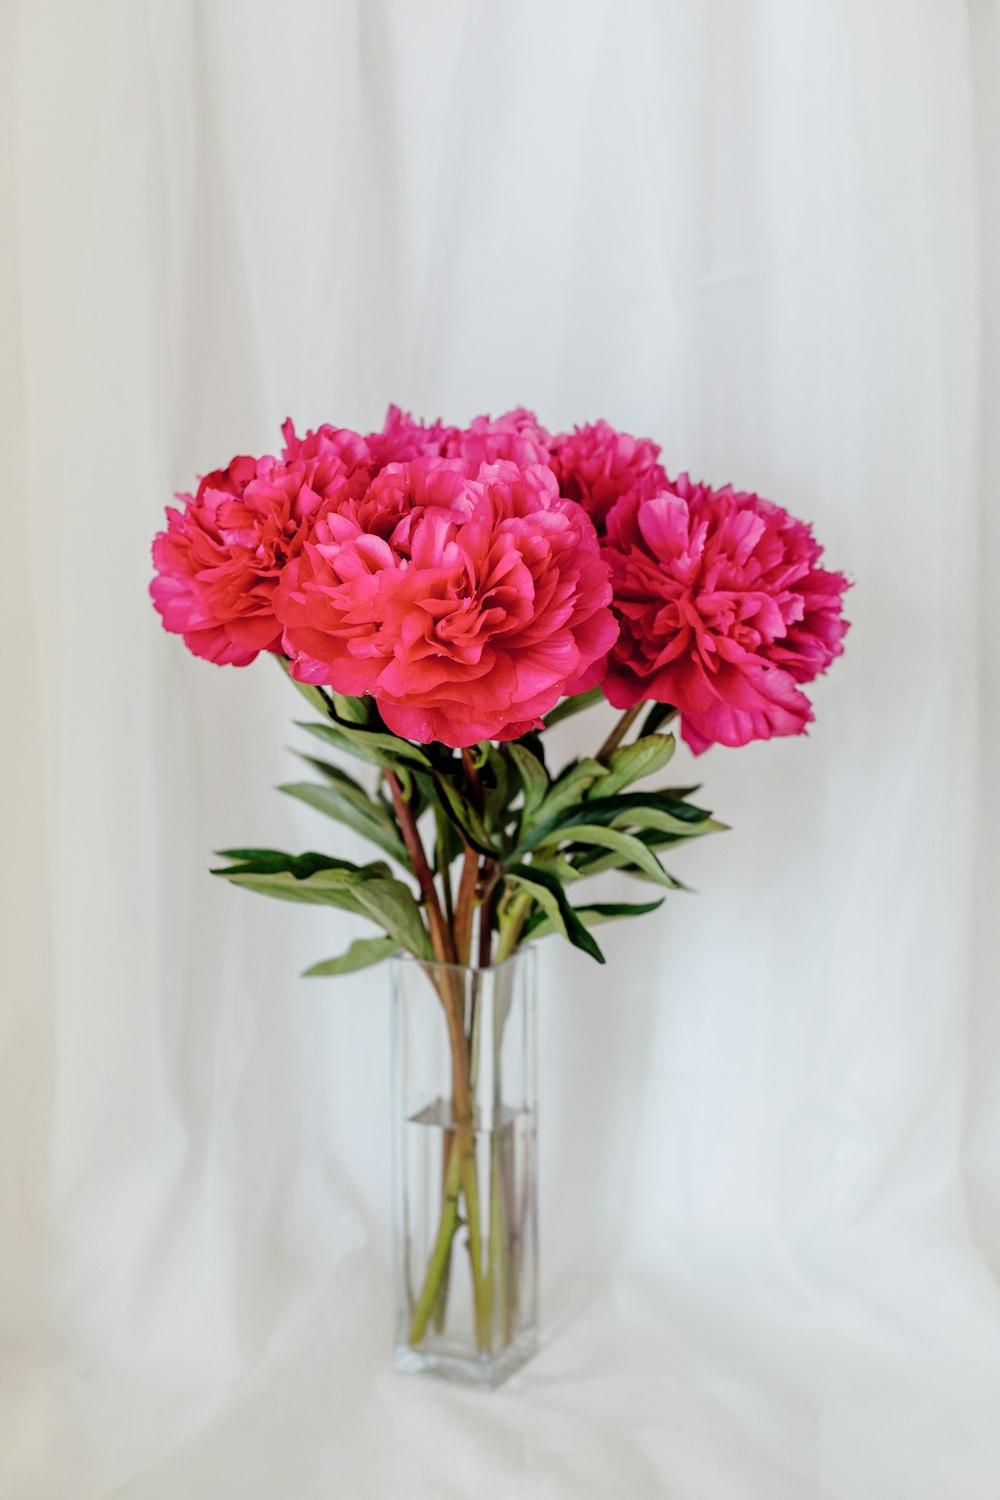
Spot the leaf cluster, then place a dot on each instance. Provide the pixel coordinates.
(527, 836)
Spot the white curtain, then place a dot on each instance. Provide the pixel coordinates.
(766, 234)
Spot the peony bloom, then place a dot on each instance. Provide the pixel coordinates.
(402, 438)
(349, 448)
(515, 436)
(724, 611)
(466, 607)
(597, 465)
(219, 560)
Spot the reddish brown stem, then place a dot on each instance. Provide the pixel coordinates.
(465, 905)
(441, 941)
(620, 730)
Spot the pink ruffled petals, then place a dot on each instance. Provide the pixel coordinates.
(517, 437)
(723, 611)
(402, 438)
(595, 465)
(219, 560)
(489, 597)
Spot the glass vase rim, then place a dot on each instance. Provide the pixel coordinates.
(403, 955)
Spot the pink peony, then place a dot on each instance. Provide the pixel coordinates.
(597, 465)
(402, 439)
(219, 560)
(724, 611)
(349, 448)
(467, 607)
(515, 436)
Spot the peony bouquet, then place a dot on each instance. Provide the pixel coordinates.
(442, 597)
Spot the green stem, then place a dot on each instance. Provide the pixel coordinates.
(442, 1247)
(461, 1175)
(511, 923)
(441, 1297)
(480, 1287)
(512, 1241)
(492, 1259)
(440, 1303)
(461, 1181)
(470, 1180)
(499, 1269)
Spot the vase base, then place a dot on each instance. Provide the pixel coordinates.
(484, 1373)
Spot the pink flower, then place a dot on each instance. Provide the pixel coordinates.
(515, 436)
(219, 560)
(724, 611)
(467, 607)
(402, 438)
(597, 465)
(349, 448)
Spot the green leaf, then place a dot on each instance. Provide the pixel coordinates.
(632, 850)
(377, 746)
(499, 784)
(300, 866)
(368, 890)
(570, 706)
(534, 778)
(539, 925)
(355, 809)
(464, 816)
(392, 905)
(612, 810)
(665, 822)
(314, 696)
(336, 706)
(546, 890)
(311, 879)
(659, 714)
(575, 780)
(333, 735)
(447, 845)
(315, 890)
(417, 787)
(352, 710)
(334, 773)
(534, 742)
(681, 793)
(558, 865)
(631, 762)
(595, 863)
(362, 953)
(625, 809)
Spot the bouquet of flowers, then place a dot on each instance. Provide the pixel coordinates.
(442, 597)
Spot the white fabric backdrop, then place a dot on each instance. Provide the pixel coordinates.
(767, 235)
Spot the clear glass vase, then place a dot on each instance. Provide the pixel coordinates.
(466, 1238)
